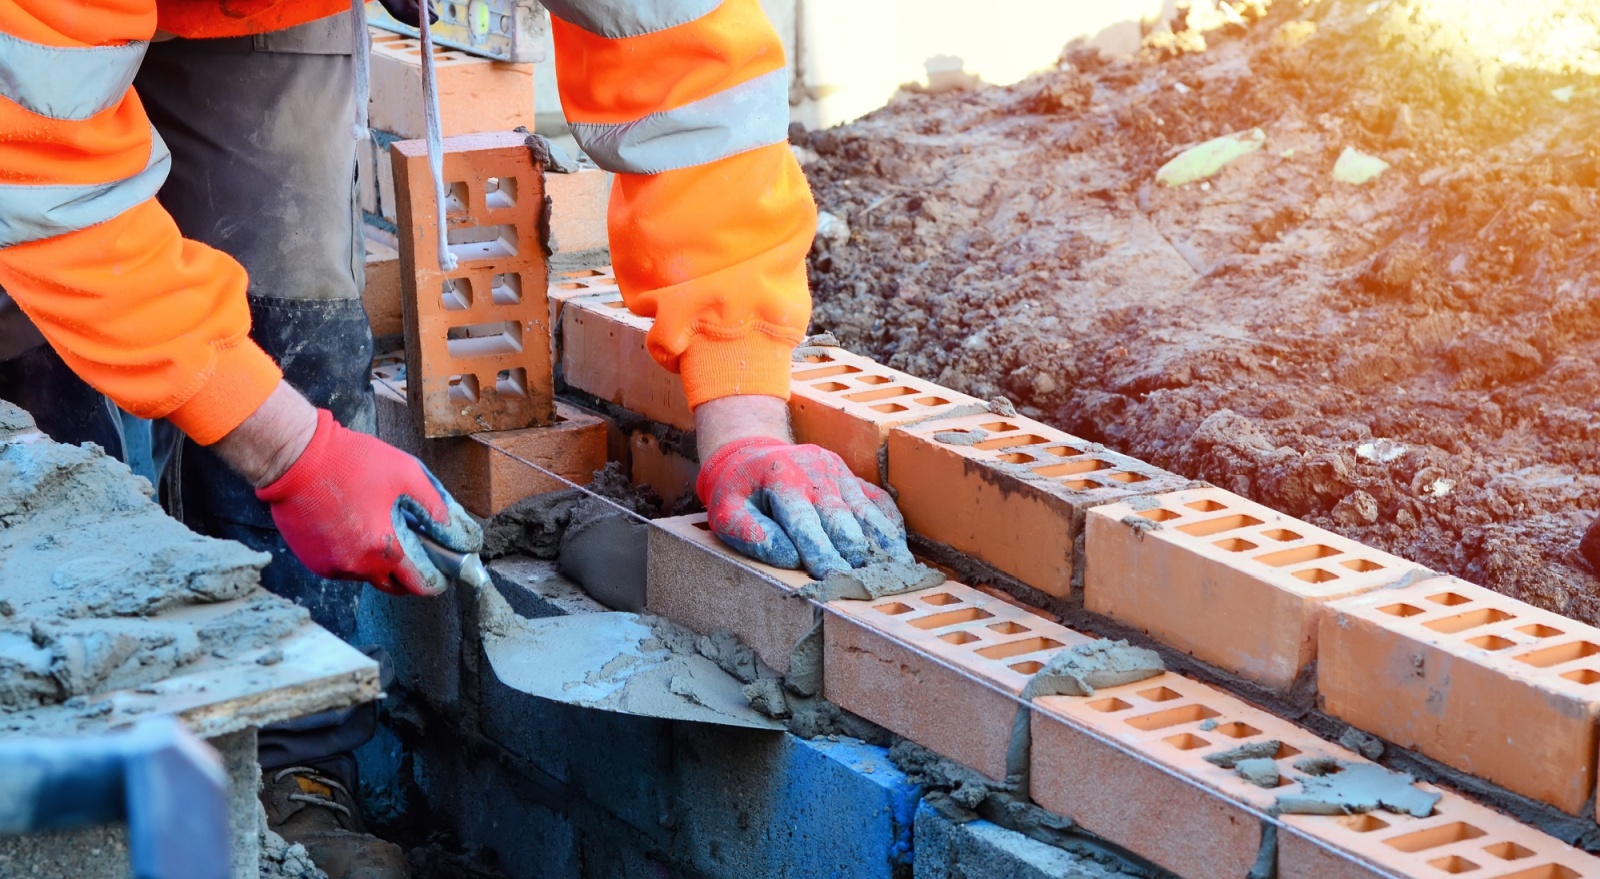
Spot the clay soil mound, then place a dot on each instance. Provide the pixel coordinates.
(1412, 362)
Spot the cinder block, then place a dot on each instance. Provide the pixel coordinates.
(936, 666)
(1012, 491)
(669, 473)
(475, 94)
(848, 404)
(1471, 678)
(381, 296)
(1232, 582)
(477, 337)
(698, 582)
(603, 353)
(578, 209)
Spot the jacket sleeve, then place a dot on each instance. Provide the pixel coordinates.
(158, 323)
(710, 216)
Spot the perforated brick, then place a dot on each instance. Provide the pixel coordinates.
(603, 353)
(1474, 679)
(570, 285)
(1011, 491)
(477, 337)
(1232, 582)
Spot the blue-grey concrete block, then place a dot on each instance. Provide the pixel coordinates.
(423, 638)
(981, 850)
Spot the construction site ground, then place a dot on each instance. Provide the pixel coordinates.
(1411, 362)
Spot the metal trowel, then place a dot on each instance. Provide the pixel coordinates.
(609, 661)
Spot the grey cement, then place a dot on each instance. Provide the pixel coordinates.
(1080, 670)
(1259, 771)
(948, 849)
(1334, 787)
(1252, 751)
(880, 577)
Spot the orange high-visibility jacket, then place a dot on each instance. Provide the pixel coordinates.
(710, 216)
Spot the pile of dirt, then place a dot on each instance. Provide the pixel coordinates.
(1410, 362)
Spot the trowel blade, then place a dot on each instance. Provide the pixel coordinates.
(610, 662)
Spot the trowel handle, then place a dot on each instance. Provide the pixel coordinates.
(465, 567)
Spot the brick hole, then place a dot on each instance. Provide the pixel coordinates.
(1434, 837)
(1110, 706)
(463, 389)
(1172, 717)
(1237, 730)
(456, 199)
(1080, 485)
(1508, 851)
(1453, 864)
(1016, 458)
(1205, 506)
(1557, 655)
(1234, 544)
(931, 401)
(1450, 599)
(998, 427)
(1362, 566)
(703, 526)
(1026, 439)
(826, 372)
(1160, 694)
(940, 599)
(1491, 642)
(1469, 620)
(1315, 575)
(1219, 525)
(951, 618)
(1582, 676)
(500, 192)
(1362, 823)
(877, 380)
(511, 382)
(456, 294)
(1030, 667)
(879, 394)
(889, 408)
(1285, 752)
(894, 608)
(485, 340)
(507, 289)
(1071, 468)
(617, 304)
(583, 273)
(1538, 631)
(482, 242)
(959, 637)
(570, 287)
(1401, 610)
(830, 387)
(1062, 451)
(1548, 871)
(1285, 557)
(1127, 478)
(1158, 515)
(1009, 628)
(1019, 647)
(1280, 534)
(1186, 742)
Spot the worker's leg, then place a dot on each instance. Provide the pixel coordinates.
(263, 168)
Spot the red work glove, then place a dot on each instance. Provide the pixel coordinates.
(348, 505)
(789, 505)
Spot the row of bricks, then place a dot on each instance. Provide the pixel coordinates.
(1233, 583)
(943, 666)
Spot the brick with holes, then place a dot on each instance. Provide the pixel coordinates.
(1012, 491)
(936, 666)
(604, 353)
(577, 284)
(848, 403)
(477, 337)
(1471, 678)
(475, 94)
(1232, 582)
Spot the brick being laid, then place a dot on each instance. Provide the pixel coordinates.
(940, 667)
(604, 353)
(848, 404)
(1234, 583)
(1471, 678)
(569, 285)
(1210, 825)
(1012, 491)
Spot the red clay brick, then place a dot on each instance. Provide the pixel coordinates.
(904, 663)
(477, 338)
(578, 210)
(848, 404)
(1231, 582)
(1012, 491)
(566, 286)
(669, 473)
(475, 94)
(1471, 678)
(697, 581)
(603, 353)
(381, 295)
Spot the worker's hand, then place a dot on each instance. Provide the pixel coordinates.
(343, 507)
(784, 504)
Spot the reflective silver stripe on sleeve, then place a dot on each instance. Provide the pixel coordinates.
(749, 115)
(616, 19)
(33, 213)
(66, 83)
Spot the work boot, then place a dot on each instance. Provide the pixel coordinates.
(307, 806)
